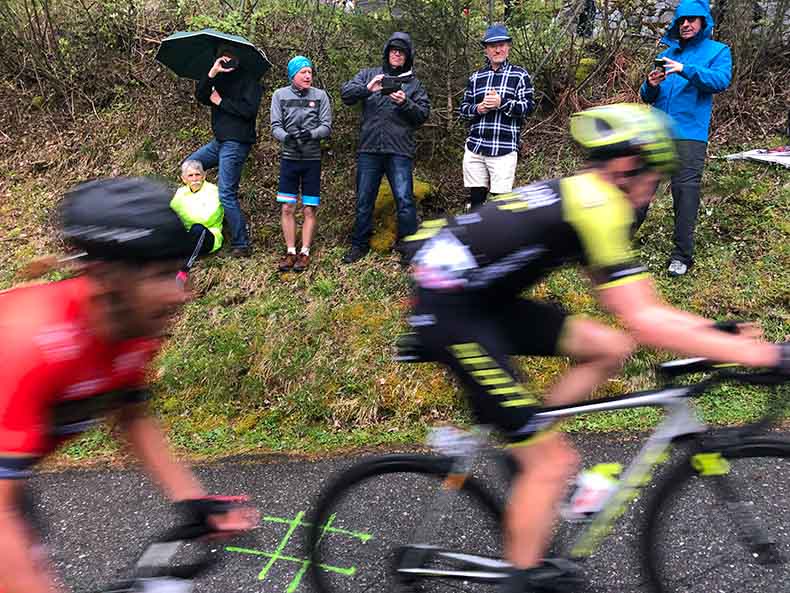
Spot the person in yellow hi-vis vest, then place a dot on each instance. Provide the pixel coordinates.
(197, 205)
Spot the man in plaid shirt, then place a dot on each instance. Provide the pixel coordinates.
(498, 98)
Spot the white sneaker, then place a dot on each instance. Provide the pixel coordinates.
(677, 268)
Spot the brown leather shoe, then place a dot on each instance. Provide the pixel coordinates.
(302, 261)
(287, 262)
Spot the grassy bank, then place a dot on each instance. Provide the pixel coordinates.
(266, 362)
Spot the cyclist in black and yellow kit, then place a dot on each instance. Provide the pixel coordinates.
(471, 269)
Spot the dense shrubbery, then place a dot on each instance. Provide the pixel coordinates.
(85, 55)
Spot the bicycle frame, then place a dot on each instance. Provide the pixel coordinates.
(681, 421)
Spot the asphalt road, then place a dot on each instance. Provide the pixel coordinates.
(99, 520)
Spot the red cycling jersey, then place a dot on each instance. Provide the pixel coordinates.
(57, 378)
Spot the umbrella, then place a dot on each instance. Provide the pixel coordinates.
(190, 54)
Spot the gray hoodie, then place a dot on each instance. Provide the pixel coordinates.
(294, 110)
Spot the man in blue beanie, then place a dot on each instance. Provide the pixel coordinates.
(695, 68)
(300, 115)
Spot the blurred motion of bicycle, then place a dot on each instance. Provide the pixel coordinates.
(712, 522)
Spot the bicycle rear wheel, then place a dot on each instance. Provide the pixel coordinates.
(379, 519)
(721, 523)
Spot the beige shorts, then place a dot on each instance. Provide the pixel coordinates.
(494, 172)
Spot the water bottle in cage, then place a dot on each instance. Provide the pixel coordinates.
(594, 486)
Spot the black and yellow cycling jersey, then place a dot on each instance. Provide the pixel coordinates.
(512, 241)
(470, 270)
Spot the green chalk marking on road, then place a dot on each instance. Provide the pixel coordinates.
(292, 525)
(336, 569)
(278, 554)
(355, 534)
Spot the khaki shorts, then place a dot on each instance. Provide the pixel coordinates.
(494, 172)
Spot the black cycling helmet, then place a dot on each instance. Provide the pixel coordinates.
(624, 129)
(124, 218)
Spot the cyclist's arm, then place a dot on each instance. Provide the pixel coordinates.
(27, 382)
(20, 572)
(654, 323)
(149, 445)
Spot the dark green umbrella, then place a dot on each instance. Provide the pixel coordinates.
(190, 54)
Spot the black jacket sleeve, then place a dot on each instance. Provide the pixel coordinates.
(203, 91)
(356, 89)
(417, 106)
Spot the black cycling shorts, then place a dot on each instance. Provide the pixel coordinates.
(476, 339)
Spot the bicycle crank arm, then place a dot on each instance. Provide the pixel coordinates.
(484, 576)
(483, 561)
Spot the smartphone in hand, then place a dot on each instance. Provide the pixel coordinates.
(659, 64)
(230, 62)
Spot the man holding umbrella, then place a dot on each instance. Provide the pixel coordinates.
(234, 97)
(227, 68)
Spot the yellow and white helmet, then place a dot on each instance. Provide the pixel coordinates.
(624, 129)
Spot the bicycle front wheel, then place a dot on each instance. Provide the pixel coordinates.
(386, 523)
(719, 522)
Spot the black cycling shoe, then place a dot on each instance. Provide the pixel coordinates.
(554, 575)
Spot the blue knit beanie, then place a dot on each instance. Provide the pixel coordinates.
(296, 64)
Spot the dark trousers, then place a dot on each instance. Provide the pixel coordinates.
(198, 234)
(371, 167)
(228, 156)
(685, 198)
(195, 233)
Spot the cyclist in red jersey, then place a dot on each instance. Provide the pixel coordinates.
(76, 350)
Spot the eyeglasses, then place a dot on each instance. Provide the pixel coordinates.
(687, 19)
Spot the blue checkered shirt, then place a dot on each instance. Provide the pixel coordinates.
(497, 132)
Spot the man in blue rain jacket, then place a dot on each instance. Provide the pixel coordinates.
(695, 68)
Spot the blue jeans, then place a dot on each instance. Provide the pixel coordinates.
(229, 155)
(371, 167)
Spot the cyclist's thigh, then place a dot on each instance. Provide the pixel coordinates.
(534, 328)
(475, 346)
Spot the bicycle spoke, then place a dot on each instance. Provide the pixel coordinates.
(752, 528)
(374, 523)
(728, 533)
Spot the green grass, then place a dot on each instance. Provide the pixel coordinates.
(302, 363)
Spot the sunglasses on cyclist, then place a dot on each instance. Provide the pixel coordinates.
(635, 172)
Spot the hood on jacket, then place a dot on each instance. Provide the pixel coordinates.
(690, 8)
(404, 39)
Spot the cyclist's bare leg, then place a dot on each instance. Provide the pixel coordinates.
(599, 352)
(548, 462)
(545, 466)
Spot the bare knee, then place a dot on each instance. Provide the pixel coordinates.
(617, 347)
(288, 210)
(309, 212)
(591, 342)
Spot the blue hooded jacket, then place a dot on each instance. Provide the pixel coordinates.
(687, 97)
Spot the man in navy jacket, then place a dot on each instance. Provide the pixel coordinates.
(390, 116)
